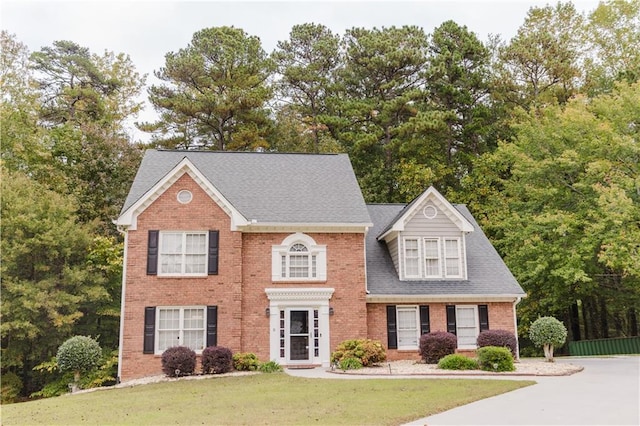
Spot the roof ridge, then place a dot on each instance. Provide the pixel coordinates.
(208, 151)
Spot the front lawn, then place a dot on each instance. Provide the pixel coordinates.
(260, 399)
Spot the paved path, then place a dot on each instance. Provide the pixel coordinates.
(606, 392)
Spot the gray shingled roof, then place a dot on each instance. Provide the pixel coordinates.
(268, 187)
(486, 271)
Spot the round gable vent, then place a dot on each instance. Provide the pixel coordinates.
(185, 196)
(430, 212)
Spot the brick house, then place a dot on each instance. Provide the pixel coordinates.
(279, 255)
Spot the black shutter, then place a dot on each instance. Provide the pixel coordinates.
(213, 253)
(149, 330)
(152, 253)
(424, 320)
(392, 332)
(483, 317)
(212, 326)
(451, 319)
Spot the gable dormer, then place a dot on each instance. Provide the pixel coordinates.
(426, 239)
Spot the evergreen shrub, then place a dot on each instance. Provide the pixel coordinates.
(270, 367)
(435, 346)
(494, 358)
(498, 338)
(367, 351)
(245, 361)
(457, 362)
(548, 332)
(217, 360)
(178, 361)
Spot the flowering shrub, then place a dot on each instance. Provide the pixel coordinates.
(494, 358)
(178, 361)
(497, 338)
(435, 346)
(216, 360)
(367, 351)
(245, 361)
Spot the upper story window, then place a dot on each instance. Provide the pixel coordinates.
(183, 253)
(299, 258)
(432, 258)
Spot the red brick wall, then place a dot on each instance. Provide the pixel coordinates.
(223, 290)
(500, 317)
(239, 288)
(345, 273)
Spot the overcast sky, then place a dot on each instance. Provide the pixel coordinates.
(147, 30)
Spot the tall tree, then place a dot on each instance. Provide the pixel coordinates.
(46, 279)
(541, 64)
(307, 63)
(379, 83)
(214, 93)
(564, 212)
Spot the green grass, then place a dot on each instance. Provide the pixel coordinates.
(260, 399)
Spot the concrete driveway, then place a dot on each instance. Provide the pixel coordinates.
(606, 392)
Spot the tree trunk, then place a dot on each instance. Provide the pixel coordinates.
(585, 320)
(574, 320)
(604, 324)
(633, 322)
(548, 352)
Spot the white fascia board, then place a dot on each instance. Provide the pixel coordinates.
(128, 219)
(448, 209)
(439, 298)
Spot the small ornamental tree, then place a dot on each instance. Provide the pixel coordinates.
(548, 332)
(79, 354)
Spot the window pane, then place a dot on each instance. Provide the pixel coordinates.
(431, 249)
(194, 318)
(168, 339)
(195, 264)
(196, 244)
(411, 257)
(171, 264)
(193, 339)
(431, 258)
(171, 243)
(169, 319)
(298, 248)
(452, 255)
(298, 266)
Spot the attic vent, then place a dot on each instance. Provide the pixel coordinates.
(430, 212)
(185, 196)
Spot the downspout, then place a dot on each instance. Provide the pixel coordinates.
(515, 322)
(122, 230)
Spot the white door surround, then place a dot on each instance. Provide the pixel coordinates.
(299, 325)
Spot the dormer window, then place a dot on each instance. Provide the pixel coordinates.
(432, 257)
(299, 258)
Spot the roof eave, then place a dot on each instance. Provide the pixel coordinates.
(440, 298)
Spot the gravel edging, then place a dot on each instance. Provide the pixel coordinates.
(528, 367)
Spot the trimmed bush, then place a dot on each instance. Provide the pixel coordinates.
(435, 346)
(548, 332)
(178, 361)
(216, 360)
(367, 351)
(457, 362)
(497, 338)
(349, 364)
(245, 361)
(270, 367)
(79, 354)
(494, 358)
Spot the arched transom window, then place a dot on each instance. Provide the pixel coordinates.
(299, 258)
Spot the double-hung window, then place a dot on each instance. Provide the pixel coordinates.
(408, 331)
(412, 257)
(183, 253)
(299, 258)
(452, 257)
(298, 262)
(181, 326)
(467, 327)
(432, 257)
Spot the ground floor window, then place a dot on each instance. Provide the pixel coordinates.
(466, 322)
(192, 326)
(405, 325)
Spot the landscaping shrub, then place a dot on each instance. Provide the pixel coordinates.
(245, 361)
(349, 364)
(435, 346)
(216, 360)
(79, 354)
(178, 361)
(548, 332)
(457, 362)
(367, 351)
(494, 358)
(270, 367)
(11, 387)
(497, 338)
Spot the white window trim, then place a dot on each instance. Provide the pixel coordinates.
(157, 350)
(417, 317)
(439, 251)
(476, 321)
(283, 250)
(404, 257)
(444, 257)
(183, 263)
